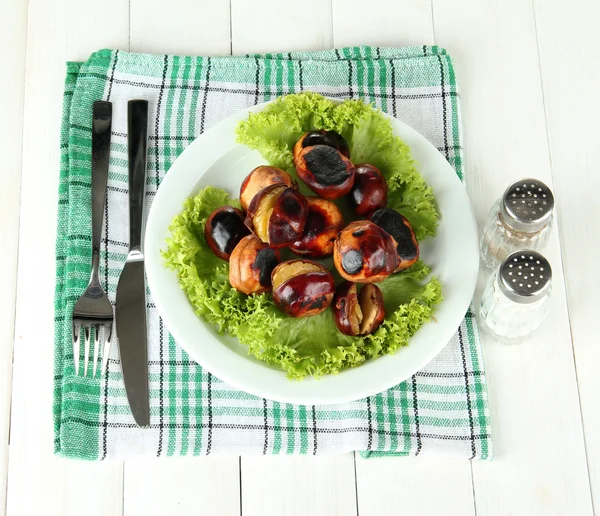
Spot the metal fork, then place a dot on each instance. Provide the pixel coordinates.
(93, 309)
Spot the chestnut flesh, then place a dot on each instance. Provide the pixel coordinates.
(325, 170)
(302, 288)
(224, 229)
(364, 252)
(277, 215)
(398, 226)
(260, 178)
(251, 264)
(370, 190)
(358, 314)
(322, 137)
(323, 223)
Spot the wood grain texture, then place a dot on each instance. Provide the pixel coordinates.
(39, 482)
(188, 27)
(182, 486)
(540, 464)
(280, 25)
(290, 486)
(408, 22)
(571, 82)
(13, 33)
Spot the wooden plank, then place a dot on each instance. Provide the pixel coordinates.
(280, 25)
(182, 486)
(286, 486)
(186, 27)
(384, 23)
(401, 485)
(198, 485)
(388, 486)
(569, 55)
(540, 465)
(13, 31)
(57, 31)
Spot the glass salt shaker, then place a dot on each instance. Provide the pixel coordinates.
(520, 219)
(515, 299)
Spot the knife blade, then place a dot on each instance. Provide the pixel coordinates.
(130, 310)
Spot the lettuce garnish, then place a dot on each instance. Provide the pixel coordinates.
(312, 345)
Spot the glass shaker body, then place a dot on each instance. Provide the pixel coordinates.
(515, 300)
(521, 219)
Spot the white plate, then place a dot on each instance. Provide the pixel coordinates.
(216, 159)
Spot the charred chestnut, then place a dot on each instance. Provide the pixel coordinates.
(323, 223)
(370, 190)
(260, 178)
(325, 170)
(224, 229)
(277, 215)
(322, 137)
(251, 264)
(358, 314)
(302, 288)
(365, 253)
(396, 225)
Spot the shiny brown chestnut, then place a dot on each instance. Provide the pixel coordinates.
(365, 253)
(323, 223)
(325, 170)
(223, 230)
(260, 178)
(358, 314)
(322, 137)
(396, 225)
(370, 190)
(251, 264)
(302, 288)
(277, 215)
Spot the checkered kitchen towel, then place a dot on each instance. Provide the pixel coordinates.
(442, 410)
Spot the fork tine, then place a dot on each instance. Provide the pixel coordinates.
(86, 349)
(106, 349)
(76, 342)
(96, 347)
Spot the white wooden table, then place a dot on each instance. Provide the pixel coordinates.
(529, 72)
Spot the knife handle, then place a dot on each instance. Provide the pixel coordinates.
(137, 146)
(101, 126)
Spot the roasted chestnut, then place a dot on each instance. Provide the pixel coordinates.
(322, 137)
(370, 190)
(302, 287)
(365, 253)
(260, 178)
(277, 215)
(224, 228)
(323, 223)
(325, 170)
(251, 264)
(358, 314)
(396, 225)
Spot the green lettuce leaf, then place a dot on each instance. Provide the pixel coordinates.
(312, 345)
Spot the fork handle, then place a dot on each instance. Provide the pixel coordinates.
(137, 143)
(102, 121)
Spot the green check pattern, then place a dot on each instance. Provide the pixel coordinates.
(441, 410)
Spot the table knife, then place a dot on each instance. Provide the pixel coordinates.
(130, 308)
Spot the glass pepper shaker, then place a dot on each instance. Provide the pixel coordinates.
(514, 302)
(520, 219)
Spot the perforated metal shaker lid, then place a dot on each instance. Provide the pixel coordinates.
(525, 276)
(527, 205)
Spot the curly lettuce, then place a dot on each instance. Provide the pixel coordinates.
(311, 346)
